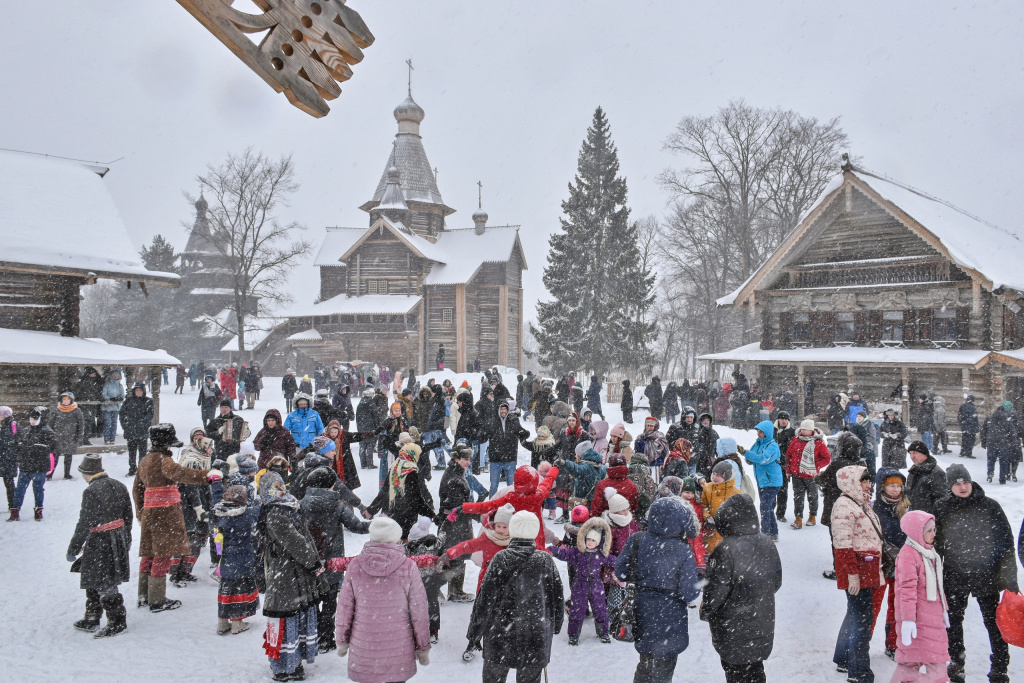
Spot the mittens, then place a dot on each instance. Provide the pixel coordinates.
(908, 629)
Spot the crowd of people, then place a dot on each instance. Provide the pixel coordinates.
(651, 526)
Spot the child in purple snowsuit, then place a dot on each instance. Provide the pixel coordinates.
(592, 552)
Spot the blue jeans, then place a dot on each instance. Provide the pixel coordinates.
(927, 438)
(483, 453)
(769, 525)
(474, 484)
(38, 480)
(109, 425)
(855, 637)
(499, 468)
(435, 435)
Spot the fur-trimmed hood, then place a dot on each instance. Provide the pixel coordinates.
(605, 547)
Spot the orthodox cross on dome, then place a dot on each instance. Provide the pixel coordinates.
(409, 62)
(479, 194)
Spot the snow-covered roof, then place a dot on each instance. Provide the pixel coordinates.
(28, 347)
(308, 335)
(989, 253)
(257, 330)
(336, 242)
(213, 291)
(465, 252)
(855, 355)
(59, 216)
(353, 305)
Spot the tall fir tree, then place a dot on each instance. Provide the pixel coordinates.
(598, 285)
(159, 255)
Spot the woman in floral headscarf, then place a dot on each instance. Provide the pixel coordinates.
(404, 496)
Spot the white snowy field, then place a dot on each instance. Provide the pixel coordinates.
(41, 600)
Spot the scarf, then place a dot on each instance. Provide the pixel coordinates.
(193, 458)
(209, 390)
(269, 495)
(67, 408)
(404, 464)
(932, 572)
(619, 519)
(807, 457)
(497, 539)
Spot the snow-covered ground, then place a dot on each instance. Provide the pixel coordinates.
(41, 600)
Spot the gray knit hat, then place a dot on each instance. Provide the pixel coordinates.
(957, 473)
(724, 469)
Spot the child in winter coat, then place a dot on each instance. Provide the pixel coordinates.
(544, 448)
(689, 494)
(586, 471)
(891, 503)
(551, 502)
(921, 610)
(237, 594)
(591, 553)
(492, 540)
(720, 489)
(620, 520)
(652, 443)
(599, 436)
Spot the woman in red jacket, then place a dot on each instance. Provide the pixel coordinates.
(806, 456)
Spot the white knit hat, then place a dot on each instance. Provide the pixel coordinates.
(421, 529)
(524, 524)
(595, 534)
(503, 514)
(385, 530)
(582, 447)
(808, 424)
(616, 501)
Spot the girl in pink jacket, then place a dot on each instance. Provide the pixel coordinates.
(382, 621)
(921, 610)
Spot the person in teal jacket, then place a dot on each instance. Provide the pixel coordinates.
(765, 457)
(586, 472)
(304, 423)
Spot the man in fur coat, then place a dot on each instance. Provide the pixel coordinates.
(158, 507)
(102, 537)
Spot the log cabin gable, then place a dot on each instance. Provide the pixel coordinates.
(382, 263)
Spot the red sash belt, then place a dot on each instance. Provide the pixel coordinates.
(109, 526)
(161, 496)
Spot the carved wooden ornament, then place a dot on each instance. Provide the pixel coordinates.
(308, 48)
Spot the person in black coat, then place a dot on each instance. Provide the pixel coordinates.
(655, 398)
(289, 387)
(404, 496)
(836, 414)
(453, 492)
(9, 444)
(327, 516)
(35, 459)
(469, 427)
(90, 388)
(136, 417)
(705, 448)
(562, 389)
(926, 481)
(743, 575)
(103, 537)
(1001, 436)
(784, 433)
(975, 541)
(342, 402)
(226, 444)
(925, 419)
(626, 403)
(519, 608)
(435, 424)
(967, 417)
(367, 420)
(323, 407)
(894, 436)
(504, 447)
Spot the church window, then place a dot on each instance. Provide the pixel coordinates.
(892, 326)
(447, 315)
(944, 325)
(845, 327)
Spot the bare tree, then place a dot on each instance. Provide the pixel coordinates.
(245, 193)
(750, 174)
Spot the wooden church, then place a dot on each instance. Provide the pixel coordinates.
(394, 292)
(888, 291)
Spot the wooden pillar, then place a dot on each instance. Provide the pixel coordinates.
(975, 297)
(966, 373)
(460, 328)
(503, 325)
(905, 373)
(156, 376)
(53, 388)
(521, 323)
(423, 339)
(849, 380)
(801, 400)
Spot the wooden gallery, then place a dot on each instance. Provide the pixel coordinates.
(887, 291)
(61, 231)
(394, 292)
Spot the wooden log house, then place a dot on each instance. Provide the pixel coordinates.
(61, 232)
(890, 292)
(394, 292)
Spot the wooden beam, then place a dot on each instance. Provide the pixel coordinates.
(905, 378)
(422, 337)
(503, 324)
(460, 328)
(801, 400)
(522, 324)
(156, 377)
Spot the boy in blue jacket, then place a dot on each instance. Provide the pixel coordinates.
(764, 455)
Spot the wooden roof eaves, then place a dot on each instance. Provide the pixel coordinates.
(372, 229)
(1008, 360)
(915, 227)
(842, 364)
(794, 239)
(89, 273)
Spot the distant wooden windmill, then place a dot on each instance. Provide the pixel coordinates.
(308, 48)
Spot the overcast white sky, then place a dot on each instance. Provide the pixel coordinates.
(929, 92)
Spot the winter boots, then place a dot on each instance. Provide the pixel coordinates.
(812, 520)
(158, 601)
(117, 617)
(39, 514)
(143, 590)
(455, 591)
(15, 515)
(93, 612)
(798, 523)
(239, 627)
(223, 626)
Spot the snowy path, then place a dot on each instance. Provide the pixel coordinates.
(42, 599)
